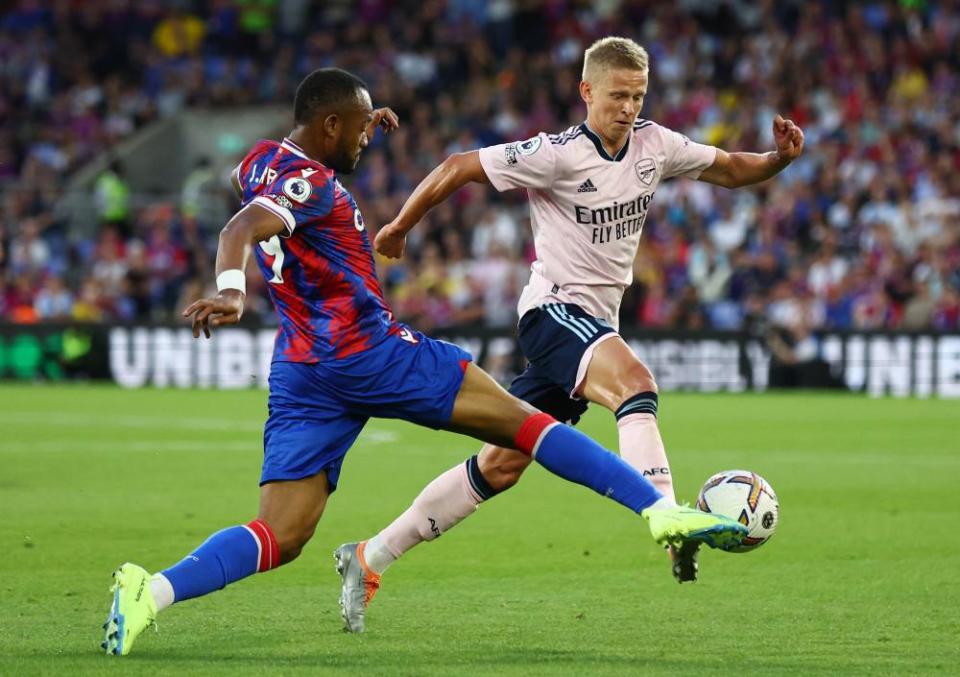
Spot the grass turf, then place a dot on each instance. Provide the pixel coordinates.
(862, 577)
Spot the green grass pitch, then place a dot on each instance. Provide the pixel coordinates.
(862, 577)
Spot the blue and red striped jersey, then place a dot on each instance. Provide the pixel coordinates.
(320, 273)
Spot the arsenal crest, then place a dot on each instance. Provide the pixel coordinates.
(646, 170)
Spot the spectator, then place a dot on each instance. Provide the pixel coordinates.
(200, 196)
(179, 34)
(862, 232)
(113, 197)
(53, 301)
(90, 303)
(28, 251)
(708, 269)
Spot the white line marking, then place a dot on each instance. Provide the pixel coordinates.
(83, 420)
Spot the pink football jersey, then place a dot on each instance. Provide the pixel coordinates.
(587, 208)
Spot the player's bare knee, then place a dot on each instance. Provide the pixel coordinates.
(635, 380)
(639, 379)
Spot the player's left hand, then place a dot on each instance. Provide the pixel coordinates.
(224, 308)
(390, 241)
(384, 118)
(788, 137)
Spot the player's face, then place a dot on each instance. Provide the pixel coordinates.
(614, 99)
(353, 135)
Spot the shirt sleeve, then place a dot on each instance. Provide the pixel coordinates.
(684, 157)
(297, 199)
(521, 164)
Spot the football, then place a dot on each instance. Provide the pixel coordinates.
(746, 497)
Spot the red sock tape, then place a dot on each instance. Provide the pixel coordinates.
(531, 430)
(269, 548)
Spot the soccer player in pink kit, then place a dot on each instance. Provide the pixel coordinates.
(589, 188)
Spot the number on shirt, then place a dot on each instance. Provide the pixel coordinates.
(272, 248)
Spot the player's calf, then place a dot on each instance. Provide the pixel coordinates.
(293, 509)
(501, 467)
(292, 539)
(444, 503)
(640, 443)
(226, 557)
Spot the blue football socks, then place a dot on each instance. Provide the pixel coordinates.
(225, 557)
(570, 454)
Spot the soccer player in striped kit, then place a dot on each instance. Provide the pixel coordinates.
(341, 358)
(589, 189)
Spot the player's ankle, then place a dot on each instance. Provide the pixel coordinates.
(162, 591)
(375, 555)
(663, 503)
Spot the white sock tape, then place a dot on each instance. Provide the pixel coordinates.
(232, 279)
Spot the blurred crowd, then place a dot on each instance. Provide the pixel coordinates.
(863, 232)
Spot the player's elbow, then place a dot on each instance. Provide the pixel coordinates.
(464, 168)
(727, 172)
(728, 179)
(239, 228)
(231, 231)
(743, 170)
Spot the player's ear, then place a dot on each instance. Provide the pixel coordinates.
(331, 124)
(586, 91)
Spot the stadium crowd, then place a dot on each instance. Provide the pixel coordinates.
(863, 232)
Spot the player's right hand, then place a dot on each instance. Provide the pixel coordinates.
(224, 308)
(788, 137)
(390, 241)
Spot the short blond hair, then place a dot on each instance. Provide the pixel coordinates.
(612, 52)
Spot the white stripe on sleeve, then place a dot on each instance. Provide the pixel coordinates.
(285, 214)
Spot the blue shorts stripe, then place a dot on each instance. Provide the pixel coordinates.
(576, 330)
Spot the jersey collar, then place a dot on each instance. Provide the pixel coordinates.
(593, 136)
(293, 148)
(290, 146)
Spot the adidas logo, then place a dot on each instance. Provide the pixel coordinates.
(587, 187)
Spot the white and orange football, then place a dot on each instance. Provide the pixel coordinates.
(746, 497)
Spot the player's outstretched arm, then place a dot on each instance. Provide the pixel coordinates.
(453, 173)
(732, 170)
(249, 226)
